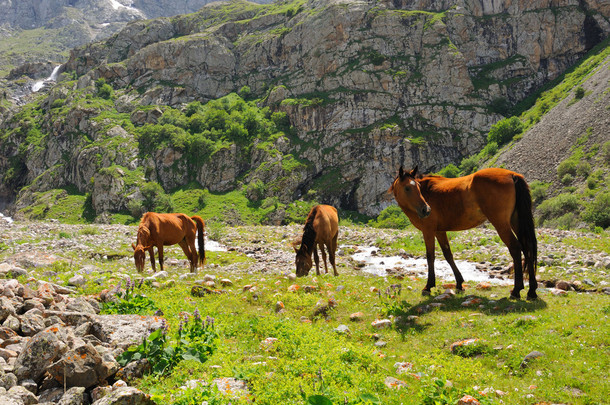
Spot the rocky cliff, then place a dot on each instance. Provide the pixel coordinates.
(45, 30)
(367, 86)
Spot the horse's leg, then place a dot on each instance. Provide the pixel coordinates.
(444, 243)
(514, 247)
(316, 258)
(429, 241)
(160, 252)
(324, 255)
(331, 253)
(528, 266)
(151, 252)
(186, 248)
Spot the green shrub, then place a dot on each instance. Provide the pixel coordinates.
(194, 340)
(58, 103)
(155, 198)
(391, 217)
(583, 169)
(567, 179)
(450, 170)
(605, 152)
(579, 93)
(597, 212)
(568, 166)
(469, 165)
(505, 130)
(558, 206)
(538, 190)
(129, 302)
(104, 90)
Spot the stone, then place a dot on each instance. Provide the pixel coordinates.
(74, 396)
(394, 383)
(40, 352)
(26, 397)
(133, 370)
(232, 387)
(530, 357)
(468, 400)
(342, 330)
(125, 395)
(77, 280)
(381, 323)
(82, 366)
(356, 316)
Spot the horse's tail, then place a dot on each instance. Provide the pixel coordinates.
(526, 233)
(200, 238)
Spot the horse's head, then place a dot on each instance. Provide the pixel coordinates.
(407, 192)
(303, 262)
(139, 256)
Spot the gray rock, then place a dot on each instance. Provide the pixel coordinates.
(530, 357)
(343, 330)
(125, 395)
(82, 366)
(40, 352)
(26, 397)
(74, 396)
(8, 381)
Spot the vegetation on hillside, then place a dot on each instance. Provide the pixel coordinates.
(585, 175)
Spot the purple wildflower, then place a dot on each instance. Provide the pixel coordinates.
(196, 315)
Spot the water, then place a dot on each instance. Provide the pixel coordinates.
(42, 83)
(214, 246)
(5, 218)
(116, 5)
(379, 266)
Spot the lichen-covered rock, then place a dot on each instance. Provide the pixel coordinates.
(81, 366)
(125, 396)
(40, 352)
(74, 396)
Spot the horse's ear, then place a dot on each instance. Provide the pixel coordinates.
(133, 246)
(413, 172)
(401, 173)
(295, 249)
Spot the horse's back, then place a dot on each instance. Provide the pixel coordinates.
(326, 221)
(494, 189)
(168, 229)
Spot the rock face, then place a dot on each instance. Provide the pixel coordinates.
(367, 86)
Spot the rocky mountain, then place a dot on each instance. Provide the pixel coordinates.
(366, 86)
(45, 30)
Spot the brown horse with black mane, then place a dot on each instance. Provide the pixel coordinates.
(436, 204)
(169, 229)
(321, 229)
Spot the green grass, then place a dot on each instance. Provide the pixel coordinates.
(314, 358)
(310, 358)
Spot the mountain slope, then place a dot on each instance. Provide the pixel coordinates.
(365, 87)
(41, 31)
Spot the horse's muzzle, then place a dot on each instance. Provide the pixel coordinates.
(424, 211)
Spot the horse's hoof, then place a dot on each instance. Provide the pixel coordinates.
(425, 292)
(532, 297)
(515, 296)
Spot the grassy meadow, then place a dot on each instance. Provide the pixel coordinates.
(318, 354)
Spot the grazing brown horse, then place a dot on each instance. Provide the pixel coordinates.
(436, 204)
(169, 229)
(321, 229)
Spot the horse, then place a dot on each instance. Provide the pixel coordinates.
(321, 229)
(435, 205)
(169, 229)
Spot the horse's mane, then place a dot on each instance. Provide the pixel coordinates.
(143, 235)
(309, 233)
